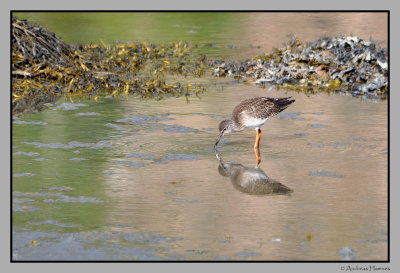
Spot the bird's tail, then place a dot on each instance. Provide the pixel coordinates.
(283, 103)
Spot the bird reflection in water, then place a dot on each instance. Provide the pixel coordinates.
(251, 180)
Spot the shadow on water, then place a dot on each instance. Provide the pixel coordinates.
(251, 180)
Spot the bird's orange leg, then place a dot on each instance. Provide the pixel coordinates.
(257, 143)
(258, 156)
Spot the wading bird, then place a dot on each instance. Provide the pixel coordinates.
(252, 113)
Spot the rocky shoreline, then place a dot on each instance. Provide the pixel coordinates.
(45, 68)
(338, 64)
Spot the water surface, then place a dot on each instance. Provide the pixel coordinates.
(138, 179)
(154, 176)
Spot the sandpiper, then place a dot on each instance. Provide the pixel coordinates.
(252, 113)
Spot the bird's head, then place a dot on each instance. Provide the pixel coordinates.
(225, 127)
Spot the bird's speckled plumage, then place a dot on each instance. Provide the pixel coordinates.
(252, 113)
(261, 108)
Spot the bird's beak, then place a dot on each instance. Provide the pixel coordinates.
(219, 138)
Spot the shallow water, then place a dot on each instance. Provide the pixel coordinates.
(154, 176)
(138, 179)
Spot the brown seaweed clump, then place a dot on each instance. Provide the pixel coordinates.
(45, 68)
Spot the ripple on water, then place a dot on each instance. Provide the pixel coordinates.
(60, 188)
(130, 163)
(222, 258)
(336, 144)
(179, 129)
(141, 156)
(57, 197)
(317, 125)
(30, 122)
(87, 114)
(74, 246)
(23, 208)
(142, 119)
(115, 126)
(248, 254)
(374, 241)
(18, 205)
(173, 157)
(149, 238)
(40, 159)
(23, 174)
(355, 138)
(322, 173)
(71, 145)
(380, 231)
(339, 144)
(77, 159)
(50, 222)
(70, 199)
(67, 106)
(185, 201)
(347, 253)
(291, 116)
(151, 123)
(35, 194)
(207, 115)
(26, 153)
(21, 200)
(315, 144)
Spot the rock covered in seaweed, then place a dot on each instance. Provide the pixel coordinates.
(44, 68)
(346, 64)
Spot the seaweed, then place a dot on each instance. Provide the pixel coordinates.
(45, 68)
